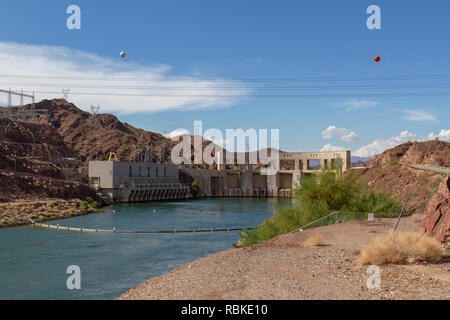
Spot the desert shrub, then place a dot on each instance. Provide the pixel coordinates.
(393, 162)
(332, 189)
(315, 240)
(373, 202)
(399, 248)
(83, 206)
(94, 204)
(195, 189)
(317, 196)
(285, 220)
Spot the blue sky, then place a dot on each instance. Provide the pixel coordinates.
(264, 52)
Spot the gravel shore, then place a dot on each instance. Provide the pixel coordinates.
(282, 269)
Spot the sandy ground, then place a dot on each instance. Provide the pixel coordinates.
(282, 269)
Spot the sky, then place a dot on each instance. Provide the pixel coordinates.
(304, 67)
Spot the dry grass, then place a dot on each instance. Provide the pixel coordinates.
(315, 240)
(401, 247)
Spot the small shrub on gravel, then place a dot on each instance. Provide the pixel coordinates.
(400, 248)
(315, 240)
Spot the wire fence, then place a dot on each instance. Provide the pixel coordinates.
(342, 216)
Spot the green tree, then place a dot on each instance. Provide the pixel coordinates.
(195, 189)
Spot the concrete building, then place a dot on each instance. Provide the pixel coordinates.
(245, 181)
(302, 165)
(136, 181)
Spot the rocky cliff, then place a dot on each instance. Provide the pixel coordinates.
(388, 171)
(436, 219)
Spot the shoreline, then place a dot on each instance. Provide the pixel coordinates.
(19, 213)
(282, 269)
(67, 209)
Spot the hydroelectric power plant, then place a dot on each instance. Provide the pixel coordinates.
(142, 181)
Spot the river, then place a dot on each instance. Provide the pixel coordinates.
(33, 262)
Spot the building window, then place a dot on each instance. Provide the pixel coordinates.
(131, 171)
(164, 171)
(148, 172)
(140, 172)
(95, 181)
(157, 171)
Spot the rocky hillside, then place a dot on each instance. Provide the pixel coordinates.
(95, 136)
(31, 148)
(29, 167)
(31, 154)
(388, 171)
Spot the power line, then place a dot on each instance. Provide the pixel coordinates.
(393, 86)
(292, 79)
(260, 95)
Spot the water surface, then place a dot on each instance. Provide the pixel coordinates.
(33, 262)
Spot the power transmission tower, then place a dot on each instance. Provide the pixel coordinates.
(66, 93)
(95, 110)
(134, 153)
(9, 98)
(148, 153)
(162, 157)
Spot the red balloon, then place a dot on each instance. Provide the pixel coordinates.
(377, 59)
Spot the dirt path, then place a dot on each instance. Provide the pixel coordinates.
(281, 269)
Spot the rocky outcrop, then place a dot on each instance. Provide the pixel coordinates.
(388, 172)
(95, 136)
(433, 152)
(436, 219)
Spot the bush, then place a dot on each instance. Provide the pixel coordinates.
(373, 202)
(315, 240)
(285, 220)
(83, 206)
(393, 162)
(327, 187)
(195, 189)
(317, 196)
(94, 204)
(399, 248)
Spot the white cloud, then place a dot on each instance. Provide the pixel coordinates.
(380, 145)
(118, 85)
(355, 104)
(329, 147)
(419, 115)
(177, 133)
(444, 135)
(351, 136)
(343, 134)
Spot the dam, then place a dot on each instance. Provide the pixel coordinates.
(250, 180)
(142, 181)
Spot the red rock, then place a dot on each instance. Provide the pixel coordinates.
(436, 219)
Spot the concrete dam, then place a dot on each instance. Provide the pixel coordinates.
(141, 181)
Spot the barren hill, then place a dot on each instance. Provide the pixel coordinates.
(45, 150)
(29, 167)
(388, 172)
(95, 136)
